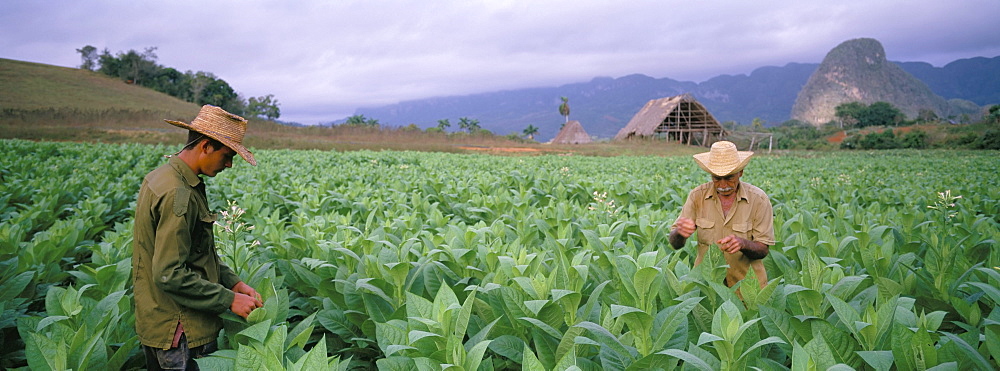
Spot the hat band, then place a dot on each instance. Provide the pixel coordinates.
(222, 135)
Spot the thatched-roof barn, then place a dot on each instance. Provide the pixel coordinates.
(572, 133)
(680, 118)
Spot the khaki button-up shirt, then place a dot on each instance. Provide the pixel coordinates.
(177, 274)
(751, 217)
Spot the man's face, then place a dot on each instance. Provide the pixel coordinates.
(216, 160)
(726, 185)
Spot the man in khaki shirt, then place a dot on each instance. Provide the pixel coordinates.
(734, 215)
(180, 283)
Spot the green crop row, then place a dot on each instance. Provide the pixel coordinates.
(402, 260)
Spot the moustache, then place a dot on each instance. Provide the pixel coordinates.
(724, 190)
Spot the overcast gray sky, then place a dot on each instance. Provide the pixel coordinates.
(324, 59)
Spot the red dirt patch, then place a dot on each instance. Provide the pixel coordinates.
(501, 149)
(837, 138)
(524, 150)
(841, 135)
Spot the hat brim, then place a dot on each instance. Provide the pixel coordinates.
(702, 160)
(239, 148)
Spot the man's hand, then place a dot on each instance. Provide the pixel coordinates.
(751, 249)
(730, 244)
(685, 227)
(246, 300)
(245, 289)
(243, 304)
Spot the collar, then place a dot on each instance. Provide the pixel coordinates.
(741, 191)
(181, 167)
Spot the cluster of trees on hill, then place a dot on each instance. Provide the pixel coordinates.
(196, 87)
(857, 114)
(882, 125)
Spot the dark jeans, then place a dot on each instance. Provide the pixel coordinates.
(179, 358)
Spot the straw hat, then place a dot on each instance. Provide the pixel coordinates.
(723, 159)
(222, 126)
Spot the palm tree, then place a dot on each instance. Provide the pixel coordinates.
(361, 120)
(356, 120)
(530, 131)
(466, 123)
(564, 108)
(443, 124)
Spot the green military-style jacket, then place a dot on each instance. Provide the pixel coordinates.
(177, 274)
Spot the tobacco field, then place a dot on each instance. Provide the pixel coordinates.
(884, 260)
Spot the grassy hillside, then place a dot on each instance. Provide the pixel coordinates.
(32, 86)
(44, 102)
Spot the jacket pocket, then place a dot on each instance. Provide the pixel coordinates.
(203, 240)
(705, 223)
(742, 230)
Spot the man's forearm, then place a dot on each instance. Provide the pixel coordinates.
(676, 240)
(753, 249)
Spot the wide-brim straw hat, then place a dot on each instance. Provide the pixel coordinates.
(723, 159)
(222, 126)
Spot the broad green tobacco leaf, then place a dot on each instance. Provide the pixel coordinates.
(992, 332)
(396, 363)
(880, 360)
(45, 322)
(688, 358)
(840, 342)
(546, 328)
(257, 316)
(529, 362)
(250, 358)
(508, 346)
(315, 359)
(10, 288)
(481, 335)
(391, 333)
(444, 301)
(820, 353)
(256, 332)
(971, 358)
(670, 320)
(607, 340)
(415, 336)
(567, 344)
(991, 291)
(393, 349)
(299, 335)
(475, 356)
(535, 306)
(274, 345)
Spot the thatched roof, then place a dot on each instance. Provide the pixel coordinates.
(679, 118)
(572, 133)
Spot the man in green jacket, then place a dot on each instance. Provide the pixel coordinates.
(180, 283)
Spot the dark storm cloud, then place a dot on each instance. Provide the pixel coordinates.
(324, 59)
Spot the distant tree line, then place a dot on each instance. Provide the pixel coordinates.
(464, 123)
(197, 87)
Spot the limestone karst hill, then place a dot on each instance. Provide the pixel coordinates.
(857, 71)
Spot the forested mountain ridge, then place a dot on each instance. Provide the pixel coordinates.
(604, 105)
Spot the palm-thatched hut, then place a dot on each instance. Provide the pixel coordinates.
(572, 133)
(679, 118)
